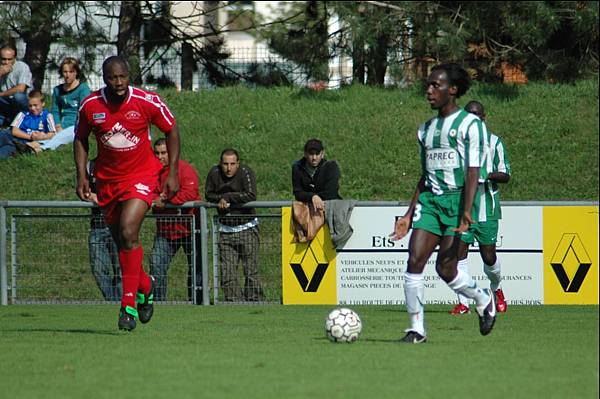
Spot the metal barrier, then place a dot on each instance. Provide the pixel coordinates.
(51, 265)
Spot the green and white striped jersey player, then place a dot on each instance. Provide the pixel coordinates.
(485, 232)
(453, 149)
(449, 146)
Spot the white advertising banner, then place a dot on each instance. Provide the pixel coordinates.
(370, 267)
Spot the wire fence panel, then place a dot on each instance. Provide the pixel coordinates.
(247, 258)
(58, 258)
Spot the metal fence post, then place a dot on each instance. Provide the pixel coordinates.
(204, 254)
(3, 271)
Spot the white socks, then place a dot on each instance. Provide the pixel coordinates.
(463, 284)
(493, 273)
(414, 290)
(463, 266)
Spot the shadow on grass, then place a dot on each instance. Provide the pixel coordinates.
(67, 330)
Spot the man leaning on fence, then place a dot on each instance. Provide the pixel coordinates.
(174, 231)
(229, 185)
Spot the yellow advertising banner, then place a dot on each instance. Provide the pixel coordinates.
(570, 255)
(308, 269)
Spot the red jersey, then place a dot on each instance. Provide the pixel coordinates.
(123, 132)
(188, 191)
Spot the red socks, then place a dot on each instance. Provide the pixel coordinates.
(133, 276)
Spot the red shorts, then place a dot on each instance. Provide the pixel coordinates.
(112, 194)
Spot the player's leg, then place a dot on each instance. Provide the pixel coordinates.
(463, 284)
(487, 237)
(421, 246)
(462, 307)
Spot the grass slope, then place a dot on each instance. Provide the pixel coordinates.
(276, 351)
(551, 132)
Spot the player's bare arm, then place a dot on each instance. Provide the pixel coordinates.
(469, 196)
(498, 177)
(80, 152)
(172, 183)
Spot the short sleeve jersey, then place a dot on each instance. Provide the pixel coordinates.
(123, 133)
(490, 195)
(29, 123)
(449, 146)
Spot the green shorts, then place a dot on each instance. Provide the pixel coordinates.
(486, 233)
(439, 214)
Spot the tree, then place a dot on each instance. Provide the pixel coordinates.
(41, 24)
(302, 37)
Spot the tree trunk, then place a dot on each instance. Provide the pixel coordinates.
(358, 63)
(187, 66)
(377, 61)
(128, 40)
(38, 40)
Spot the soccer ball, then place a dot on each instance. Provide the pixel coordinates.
(343, 325)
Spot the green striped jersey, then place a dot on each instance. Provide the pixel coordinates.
(449, 146)
(489, 204)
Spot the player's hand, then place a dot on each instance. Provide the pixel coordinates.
(401, 228)
(83, 189)
(465, 222)
(171, 187)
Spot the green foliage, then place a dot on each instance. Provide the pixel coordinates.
(281, 351)
(551, 134)
(303, 38)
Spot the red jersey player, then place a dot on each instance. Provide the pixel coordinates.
(127, 173)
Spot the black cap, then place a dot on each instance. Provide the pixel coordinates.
(313, 145)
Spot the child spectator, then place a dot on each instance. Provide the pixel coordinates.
(28, 128)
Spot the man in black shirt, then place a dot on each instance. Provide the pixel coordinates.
(314, 178)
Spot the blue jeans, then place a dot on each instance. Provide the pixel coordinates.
(104, 261)
(163, 252)
(7, 146)
(11, 106)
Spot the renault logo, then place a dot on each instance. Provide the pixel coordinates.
(570, 251)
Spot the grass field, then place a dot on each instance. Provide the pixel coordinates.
(281, 352)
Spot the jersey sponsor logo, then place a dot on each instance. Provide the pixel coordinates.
(119, 138)
(452, 133)
(132, 115)
(441, 158)
(99, 117)
(142, 188)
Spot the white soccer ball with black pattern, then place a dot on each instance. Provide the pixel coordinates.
(343, 325)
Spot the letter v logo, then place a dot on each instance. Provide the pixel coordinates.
(570, 250)
(311, 285)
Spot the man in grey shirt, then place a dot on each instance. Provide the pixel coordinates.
(15, 84)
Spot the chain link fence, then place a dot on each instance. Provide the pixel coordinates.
(162, 69)
(67, 255)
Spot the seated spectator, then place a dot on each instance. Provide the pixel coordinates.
(229, 184)
(28, 128)
(171, 233)
(314, 178)
(66, 99)
(15, 84)
(316, 183)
